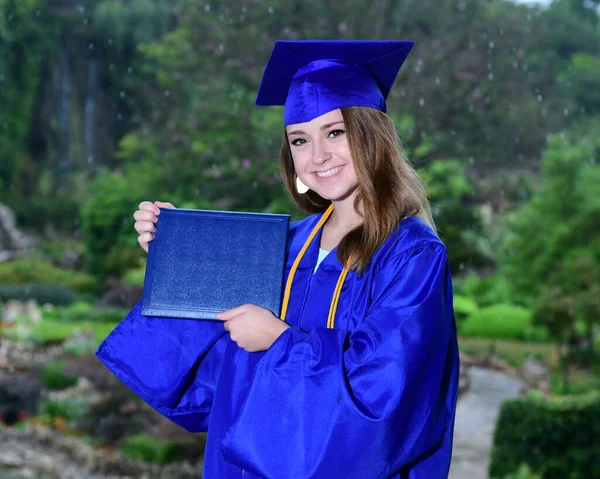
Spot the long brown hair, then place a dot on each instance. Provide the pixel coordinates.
(389, 189)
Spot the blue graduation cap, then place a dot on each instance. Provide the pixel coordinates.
(313, 77)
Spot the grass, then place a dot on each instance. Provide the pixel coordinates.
(49, 331)
(513, 352)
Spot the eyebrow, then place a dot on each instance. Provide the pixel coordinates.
(324, 127)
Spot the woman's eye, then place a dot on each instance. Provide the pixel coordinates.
(298, 141)
(335, 133)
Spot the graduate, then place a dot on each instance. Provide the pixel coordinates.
(359, 376)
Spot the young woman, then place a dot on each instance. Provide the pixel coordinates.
(358, 378)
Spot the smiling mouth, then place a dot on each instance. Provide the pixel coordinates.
(330, 172)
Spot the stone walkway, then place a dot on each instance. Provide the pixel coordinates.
(476, 416)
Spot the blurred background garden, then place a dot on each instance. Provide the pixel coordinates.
(105, 103)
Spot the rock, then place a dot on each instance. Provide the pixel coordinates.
(19, 397)
(13, 243)
(14, 309)
(535, 374)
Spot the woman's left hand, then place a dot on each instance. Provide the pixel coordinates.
(252, 327)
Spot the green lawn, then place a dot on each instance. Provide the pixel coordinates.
(513, 352)
(49, 331)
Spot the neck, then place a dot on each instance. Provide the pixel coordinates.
(344, 215)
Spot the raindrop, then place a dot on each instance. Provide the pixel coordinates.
(85, 21)
(119, 116)
(437, 80)
(566, 112)
(129, 70)
(38, 13)
(540, 97)
(471, 160)
(91, 46)
(111, 67)
(421, 101)
(490, 76)
(491, 44)
(110, 41)
(271, 10)
(207, 8)
(122, 94)
(167, 92)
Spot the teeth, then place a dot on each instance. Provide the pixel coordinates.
(325, 174)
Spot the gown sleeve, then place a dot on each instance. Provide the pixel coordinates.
(360, 404)
(172, 364)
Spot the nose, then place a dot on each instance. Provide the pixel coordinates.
(321, 152)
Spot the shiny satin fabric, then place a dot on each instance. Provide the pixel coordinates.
(313, 77)
(373, 398)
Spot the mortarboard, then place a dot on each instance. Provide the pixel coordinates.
(313, 77)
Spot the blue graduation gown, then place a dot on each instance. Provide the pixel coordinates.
(373, 398)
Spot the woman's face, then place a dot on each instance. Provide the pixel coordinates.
(322, 156)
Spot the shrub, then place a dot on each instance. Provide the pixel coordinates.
(150, 449)
(54, 376)
(61, 210)
(83, 311)
(73, 409)
(35, 271)
(501, 321)
(556, 437)
(486, 291)
(42, 293)
(464, 307)
(522, 473)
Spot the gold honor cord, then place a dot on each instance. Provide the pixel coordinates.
(338, 286)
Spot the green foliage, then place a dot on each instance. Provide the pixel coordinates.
(485, 290)
(132, 23)
(70, 409)
(55, 378)
(60, 210)
(456, 217)
(513, 352)
(464, 307)
(584, 78)
(135, 276)
(522, 473)
(42, 293)
(63, 250)
(563, 215)
(500, 321)
(82, 311)
(556, 437)
(27, 33)
(49, 331)
(150, 449)
(31, 270)
(107, 224)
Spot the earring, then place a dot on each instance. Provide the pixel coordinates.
(301, 187)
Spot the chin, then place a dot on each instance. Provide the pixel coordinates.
(336, 195)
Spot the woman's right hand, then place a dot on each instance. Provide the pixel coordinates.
(145, 219)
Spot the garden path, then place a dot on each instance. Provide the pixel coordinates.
(476, 416)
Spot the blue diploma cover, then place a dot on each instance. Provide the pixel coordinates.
(202, 262)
